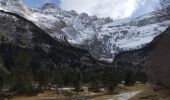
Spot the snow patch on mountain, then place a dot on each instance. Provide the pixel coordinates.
(132, 37)
(17, 6)
(103, 37)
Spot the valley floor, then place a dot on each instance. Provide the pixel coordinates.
(137, 92)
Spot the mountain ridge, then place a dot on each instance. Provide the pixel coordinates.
(152, 59)
(102, 37)
(30, 41)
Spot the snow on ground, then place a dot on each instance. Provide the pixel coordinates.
(106, 60)
(121, 96)
(2, 9)
(126, 96)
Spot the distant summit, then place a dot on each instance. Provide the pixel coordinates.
(49, 6)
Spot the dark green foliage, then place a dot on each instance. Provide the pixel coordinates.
(3, 76)
(95, 85)
(21, 77)
(111, 78)
(1, 82)
(130, 78)
(28, 66)
(77, 81)
(142, 77)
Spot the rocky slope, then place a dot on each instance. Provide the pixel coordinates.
(153, 59)
(24, 44)
(103, 37)
(159, 68)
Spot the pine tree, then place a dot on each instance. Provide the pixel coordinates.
(20, 78)
(129, 78)
(1, 82)
(111, 78)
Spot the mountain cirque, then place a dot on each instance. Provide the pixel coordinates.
(102, 37)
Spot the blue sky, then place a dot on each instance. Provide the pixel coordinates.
(37, 3)
(149, 5)
(115, 9)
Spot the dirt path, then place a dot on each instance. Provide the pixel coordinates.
(121, 96)
(126, 96)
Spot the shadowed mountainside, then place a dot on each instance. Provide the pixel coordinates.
(152, 59)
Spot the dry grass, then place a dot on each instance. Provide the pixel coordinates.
(146, 94)
(47, 95)
(123, 89)
(149, 94)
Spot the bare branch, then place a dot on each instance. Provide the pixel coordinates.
(165, 8)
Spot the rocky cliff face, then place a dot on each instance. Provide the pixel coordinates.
(103, 37)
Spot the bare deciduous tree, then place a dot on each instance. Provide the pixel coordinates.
(165, 8)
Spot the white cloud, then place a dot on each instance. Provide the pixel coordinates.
(148, 6)
(103, 8)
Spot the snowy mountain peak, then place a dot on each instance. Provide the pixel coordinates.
(103, 37)
(49, 6)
